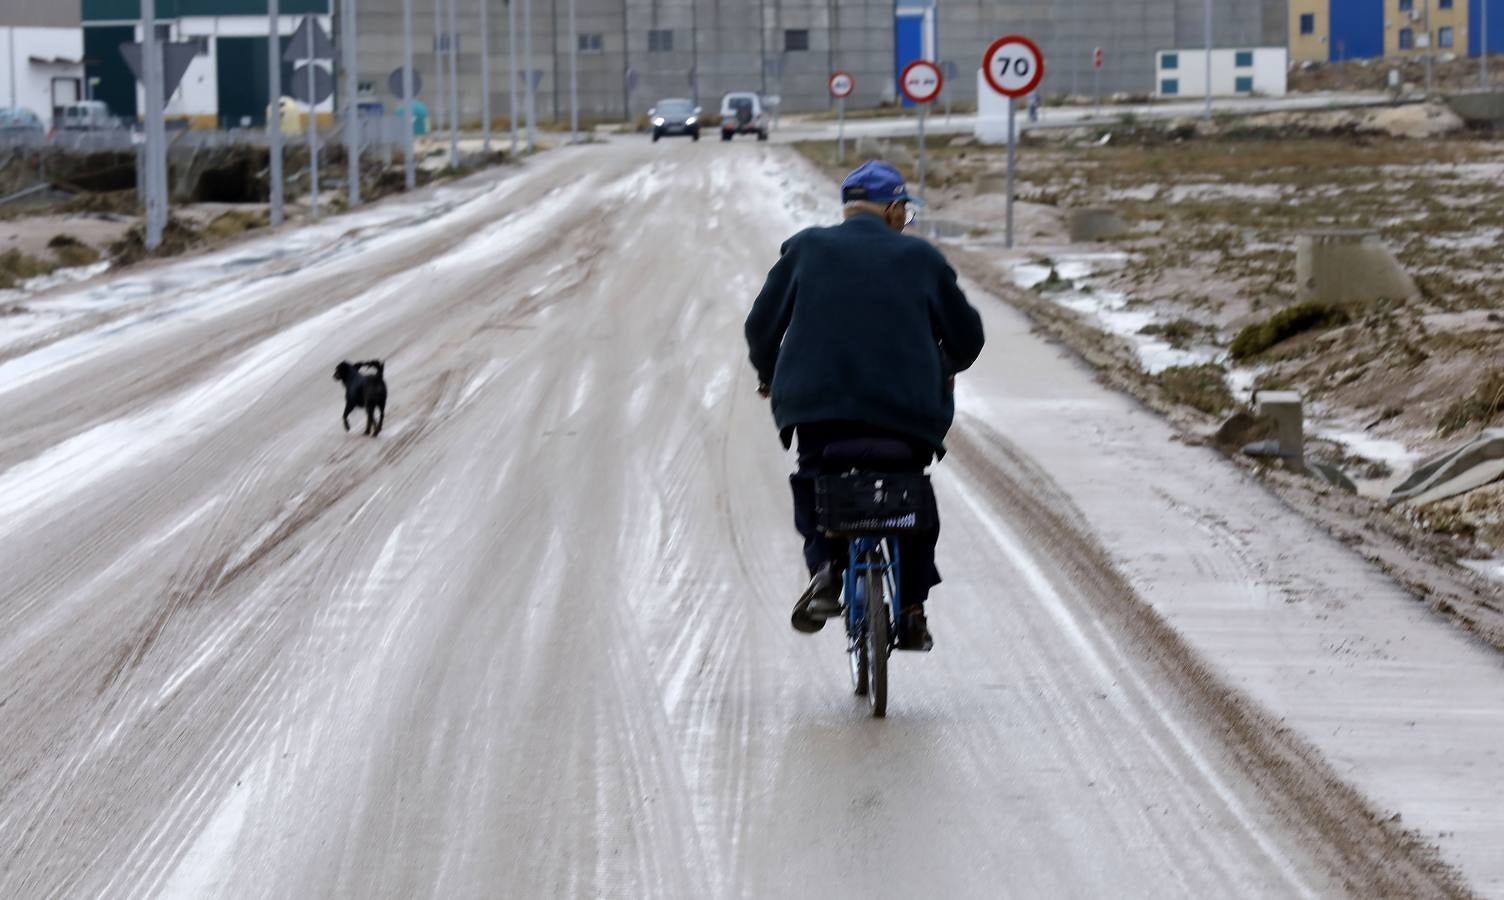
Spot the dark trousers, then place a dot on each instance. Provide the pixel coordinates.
(916, 552)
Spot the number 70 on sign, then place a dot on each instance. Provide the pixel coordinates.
(1013, 66)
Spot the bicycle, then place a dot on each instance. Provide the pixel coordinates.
(872, 510)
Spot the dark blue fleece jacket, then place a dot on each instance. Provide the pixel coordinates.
(860, 324)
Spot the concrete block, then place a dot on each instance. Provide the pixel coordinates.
(1283, 409)
(1095, 224)
(1348, 267)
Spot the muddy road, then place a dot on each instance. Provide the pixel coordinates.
(533, 640)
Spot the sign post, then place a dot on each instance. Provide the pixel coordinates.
(1096, 74)
(841, 86)
(309, 44)
(1013, 66)
(921, 82)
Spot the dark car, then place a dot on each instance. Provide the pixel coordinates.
(671, 117)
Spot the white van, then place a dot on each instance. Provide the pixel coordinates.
(86, 115)
(742, 112)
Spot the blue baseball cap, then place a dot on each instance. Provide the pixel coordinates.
(875, 181)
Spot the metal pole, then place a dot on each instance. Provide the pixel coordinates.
(1208, 62)
(313, 130)
(527, 73)
(454, 90)
(841, 130)
(156, 137)
(410, 117)
(1426, 24)
(1012, 141)
(485, 77)
(1096, 90)
(274, 64)
(352, 105)
(922, 108)
(440, 96)
(512, 70)
(574, 78)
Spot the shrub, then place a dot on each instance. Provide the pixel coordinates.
(1202, 387)
(1283, 325)
(1482, 405)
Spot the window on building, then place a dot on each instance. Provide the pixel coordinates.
(1444, 4)
(1243, 84)
(1407, 5)
(1444, 37)
(1244, 59)
(796, 39)
(1169, 87)
(1407, 39)
(661, 40)
(1169, 60)
(592, 42)
(1307, 23)
(441, 43)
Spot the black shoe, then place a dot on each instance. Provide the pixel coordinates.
(914, 632)
(820, 601)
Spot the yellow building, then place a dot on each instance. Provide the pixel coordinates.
(1405, 27)
(1310, 23)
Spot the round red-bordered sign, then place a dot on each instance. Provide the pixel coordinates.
(921, 81)
(842, 85)
(1013, 65)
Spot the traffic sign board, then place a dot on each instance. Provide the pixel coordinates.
(841, 85)
(921, 81)
(394, 82)
(1096, 59)
(1013, 65)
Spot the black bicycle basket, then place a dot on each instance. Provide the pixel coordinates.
(873, 503)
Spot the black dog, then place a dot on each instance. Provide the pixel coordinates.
(361, 390)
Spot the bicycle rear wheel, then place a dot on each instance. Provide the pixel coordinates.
(856, 638)
(876, 644)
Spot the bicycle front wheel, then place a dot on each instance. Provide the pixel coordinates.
(877, 641)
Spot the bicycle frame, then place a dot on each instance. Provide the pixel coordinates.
(864, 554)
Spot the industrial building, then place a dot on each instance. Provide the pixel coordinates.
(226, 85)
(1338, 30)
(42, 50)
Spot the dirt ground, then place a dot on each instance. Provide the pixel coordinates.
(1211, 215)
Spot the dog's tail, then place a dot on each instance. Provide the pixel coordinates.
(376, 364)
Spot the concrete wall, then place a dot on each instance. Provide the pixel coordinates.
(30, 74)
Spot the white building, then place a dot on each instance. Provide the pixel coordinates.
(1235, 72)
(41, 57)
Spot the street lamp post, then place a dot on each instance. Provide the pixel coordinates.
(1208, 60)
(485, 78)
(512, 70)
(274, 66)
(527, 74)
(409, 116)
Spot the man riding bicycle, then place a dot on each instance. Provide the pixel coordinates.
(857, 335)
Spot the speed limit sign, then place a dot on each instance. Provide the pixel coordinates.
(841, 85)
(1013, 65)
(921, 81)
